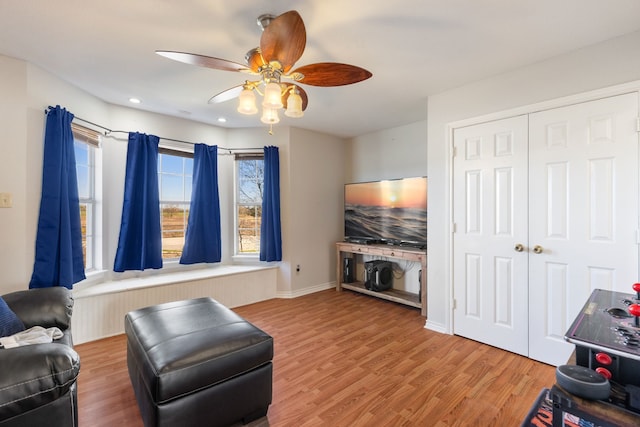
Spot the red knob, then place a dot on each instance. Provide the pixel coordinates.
(634, 309)
(604, 359)
(636, 287)
(604, 372)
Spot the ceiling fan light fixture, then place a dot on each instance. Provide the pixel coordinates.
(294, 105)
(247, 102)
(269, 116)
(282, 44)
(272, 96)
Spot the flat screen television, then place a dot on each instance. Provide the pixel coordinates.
(391, 212)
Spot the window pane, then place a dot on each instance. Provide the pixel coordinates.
(249, 181)
(250, 192)
(251, 168)
(172, 187)
(86, 228)
(84, 181)
(85, 170)
(173, 217)
(188, 177)
(187, 188)
(188, 166)
(170, 164)
(174, 220)
(83, 228)
(81, 152)
(249, 218)
(174, 174)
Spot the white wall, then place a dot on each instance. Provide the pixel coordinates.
(613, 62)
(13, 173)
(399, 152)
(317, 208)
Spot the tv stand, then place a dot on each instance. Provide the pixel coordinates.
(357, 251)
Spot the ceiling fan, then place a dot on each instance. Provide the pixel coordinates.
(282, 43)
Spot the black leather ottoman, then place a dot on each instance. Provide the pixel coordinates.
(197, 363)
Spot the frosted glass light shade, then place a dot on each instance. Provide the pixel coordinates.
(247, 102)
(269, 116)
(294, 106)
(272, 96)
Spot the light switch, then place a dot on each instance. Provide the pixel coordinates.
(6, 200)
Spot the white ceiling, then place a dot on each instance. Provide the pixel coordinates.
(414, 48)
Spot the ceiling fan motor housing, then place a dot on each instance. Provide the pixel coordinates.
(264, 20)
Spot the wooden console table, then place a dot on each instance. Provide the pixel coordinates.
(386, 252)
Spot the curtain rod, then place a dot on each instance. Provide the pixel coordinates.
(108, 131)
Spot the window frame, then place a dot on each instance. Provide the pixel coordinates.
(238, 204)
(93, 219)
(184, 205)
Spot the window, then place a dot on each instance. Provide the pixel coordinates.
(249, 185)
(175, 170)
(86, 143)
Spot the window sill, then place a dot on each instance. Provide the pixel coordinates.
(99, 283)
(252, 260)
(246, 259)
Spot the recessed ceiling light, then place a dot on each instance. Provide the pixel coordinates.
(222, 120)
(134, 100)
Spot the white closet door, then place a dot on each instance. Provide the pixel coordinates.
(490, 216)
(583, 214)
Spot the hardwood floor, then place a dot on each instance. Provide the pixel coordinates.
(346, 359)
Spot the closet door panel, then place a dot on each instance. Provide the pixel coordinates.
(490, 213)
(583, 216)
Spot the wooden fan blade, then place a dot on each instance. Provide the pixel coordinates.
(303, 95)
(284, 40)
(204, 61)
(329, 74)
(226, 95)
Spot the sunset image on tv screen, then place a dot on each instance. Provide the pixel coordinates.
(391, 211)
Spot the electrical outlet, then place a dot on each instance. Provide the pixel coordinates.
(6, 200)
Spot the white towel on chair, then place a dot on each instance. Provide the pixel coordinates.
(34, 335)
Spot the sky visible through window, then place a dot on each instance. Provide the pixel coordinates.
(175, 181)
(82, 169)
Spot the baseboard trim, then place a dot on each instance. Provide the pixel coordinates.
(306, 291)
(436, 327)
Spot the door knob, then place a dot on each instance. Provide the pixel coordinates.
(519, 247)
(537, 249)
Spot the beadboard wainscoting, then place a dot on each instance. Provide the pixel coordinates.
(99, 309)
